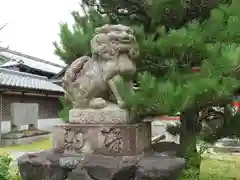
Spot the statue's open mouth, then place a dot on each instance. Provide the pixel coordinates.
(125, 40)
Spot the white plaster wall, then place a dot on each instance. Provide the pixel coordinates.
(48, 124)
(44, 124)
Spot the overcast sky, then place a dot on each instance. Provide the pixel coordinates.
(32, 25)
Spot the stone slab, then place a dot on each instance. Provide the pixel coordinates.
(53, 165)
(24, 114)
(24, 134)
(226, 149)
(228, 142)
(107, 139)
(23, 141)
(111, 114)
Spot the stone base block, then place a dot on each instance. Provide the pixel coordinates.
(53, 165)
(23, 137)
(111, 114)
(107, 139)
(22, 141)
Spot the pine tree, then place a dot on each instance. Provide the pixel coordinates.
(173, 37)
(70, 41)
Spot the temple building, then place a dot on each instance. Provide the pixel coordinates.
(25, 79)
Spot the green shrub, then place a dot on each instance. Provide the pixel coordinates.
(5, 162)
(64, 113)
(15, 176)
(5, 174)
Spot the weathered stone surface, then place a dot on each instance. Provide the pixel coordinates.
(110, 114)
(78, 174)
(101, 168)
(22, 141)
(46, 166)
(159, 167)
(24, 134)
(88, 80)
(39, 166)
(166, 148)
(68, 162)
(107, 139)
(23, 137)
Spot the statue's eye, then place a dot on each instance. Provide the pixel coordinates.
(118, 32)
(129, 31)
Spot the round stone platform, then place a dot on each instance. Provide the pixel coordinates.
(53, 165)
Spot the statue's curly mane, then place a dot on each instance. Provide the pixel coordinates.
(112, 40)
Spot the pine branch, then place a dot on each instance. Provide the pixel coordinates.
(3, 26)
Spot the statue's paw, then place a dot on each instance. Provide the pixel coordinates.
(121, 104)
(98, 103)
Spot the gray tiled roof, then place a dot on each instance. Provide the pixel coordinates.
(17, 79)
(17, 58)
(33, 64)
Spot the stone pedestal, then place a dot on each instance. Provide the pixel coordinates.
(110, 114)
(108, 148)
(102, 131)
(107, 139)
(53, 165)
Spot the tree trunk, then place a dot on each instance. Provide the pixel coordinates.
(190, 129)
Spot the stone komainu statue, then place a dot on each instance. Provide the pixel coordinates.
(88, 79)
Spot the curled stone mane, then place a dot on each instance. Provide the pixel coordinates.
(112, 40)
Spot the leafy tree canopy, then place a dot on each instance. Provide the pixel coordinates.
(183, 34)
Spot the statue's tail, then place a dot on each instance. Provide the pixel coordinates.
(77, 66)
(74, 68)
